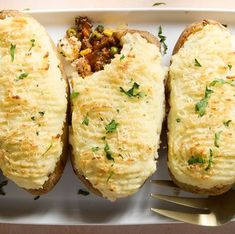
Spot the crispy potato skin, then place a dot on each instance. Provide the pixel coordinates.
(55, 176)
(150, 38)
(189, 30)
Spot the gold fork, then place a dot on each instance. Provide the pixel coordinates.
(218, 209)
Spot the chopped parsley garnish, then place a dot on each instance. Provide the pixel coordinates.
(12, 52)
(196, 63)
(41, 113)
(111, 127)
(83, 192)
(159, 3)
(162, 41)
(36, 198)
(108, 152)
(95, 149)
(74, 94)
(47, 149)
(85, 121)
(22, 76)
(200, 107)
(109, 177)
(217, 137)
(196, 159)
(178, 120)
(230, 66)
(33, 118)
(2, 184)
(37, 133)
(226, 123)
(132, 92)
(103, 138)
(32, 44)
(221, 81)
(209, 161)
(122, 57)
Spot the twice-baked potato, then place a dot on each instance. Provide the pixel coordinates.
(117, 115)
(201, 121)
(33, 104)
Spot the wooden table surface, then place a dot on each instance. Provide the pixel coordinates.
(149, 229)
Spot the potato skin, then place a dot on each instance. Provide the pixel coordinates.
(189, 30)
(54, 177)
(119, 34)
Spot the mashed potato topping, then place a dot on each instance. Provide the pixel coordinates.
(202, 116)
(32, 102)
(117, 118)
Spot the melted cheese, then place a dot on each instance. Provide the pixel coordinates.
(136, 138)
(32, 109)
(194, 135)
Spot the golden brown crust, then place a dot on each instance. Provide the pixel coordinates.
(151, 39)
(54, 177)
(189, 30)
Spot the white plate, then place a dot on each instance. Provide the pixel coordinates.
(63, 205)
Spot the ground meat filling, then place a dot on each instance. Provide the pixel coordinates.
(93, 48)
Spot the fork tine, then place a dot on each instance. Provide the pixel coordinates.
(200, 203)
(199, 219)
(167, 183)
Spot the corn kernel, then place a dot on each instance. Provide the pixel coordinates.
(108, 32)
(85, 52)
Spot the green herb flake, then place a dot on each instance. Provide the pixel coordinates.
(32, 44)
(209, 160)
(217, 137)
(133, 91)
(12, 52)
(103, 138)
(111, 127)
(74, 94)
(200, 107)
(47, 149)
(41, 113)
(230, 66)
(22, 76)
(226, 123)
(95, 149)
(2, 184)
(159, 3)
(221, 81)
(122, 57)
(37, 133)
(110, 175)
(83, 192)
(178, 120)
(162, 40)
(196, 63)
(196, 160)
(36, 198)
(108, 152)
(85, 121)
(33, 118)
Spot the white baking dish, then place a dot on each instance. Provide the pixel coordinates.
(63, 205)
